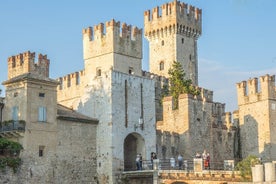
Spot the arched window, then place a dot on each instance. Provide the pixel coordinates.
(130, 71)
(162, 42)
(99, 72)
(161, 65)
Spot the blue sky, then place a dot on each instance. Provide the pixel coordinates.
(238, 39)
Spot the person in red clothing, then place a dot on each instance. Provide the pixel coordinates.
(208, 161)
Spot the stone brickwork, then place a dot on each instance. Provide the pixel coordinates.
(25, 62)
(118, 100)
(198, 124)
(172, 35)
(111, 88)
(127, 103)
(119, 48)
(58, 147)
(71, 87)
(72, 160)
(256, 116)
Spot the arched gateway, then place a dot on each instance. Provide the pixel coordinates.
(134, 144)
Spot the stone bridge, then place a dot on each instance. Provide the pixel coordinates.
(181, 177)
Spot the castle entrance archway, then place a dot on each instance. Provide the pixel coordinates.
(134, 144)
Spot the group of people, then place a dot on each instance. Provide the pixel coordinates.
(180, 161)
(206, 159)
(139, 160)
(205, 156)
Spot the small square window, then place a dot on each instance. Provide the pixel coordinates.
(41, 151)
(41, 95)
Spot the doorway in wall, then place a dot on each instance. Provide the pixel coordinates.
(134, 144)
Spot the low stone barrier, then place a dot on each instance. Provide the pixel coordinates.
(264, 172)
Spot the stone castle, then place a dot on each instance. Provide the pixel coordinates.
(88, 126)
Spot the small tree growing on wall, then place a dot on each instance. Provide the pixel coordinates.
(178, 84)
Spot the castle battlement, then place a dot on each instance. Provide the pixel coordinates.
(155, 77)
(254, 90)
(25, 63)
(205, 94)
(112, 37)
(71, 80)
(175, 17)
(195, 110)
(112, 28)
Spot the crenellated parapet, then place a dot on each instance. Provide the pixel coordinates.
(254, 90)
(204, 94)
(25, 63)
(112, 37)
(71, 80)
(155, 77)
(175, 17)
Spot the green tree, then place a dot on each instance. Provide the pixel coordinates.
(9, 154)
(245, 165)
(178, 84)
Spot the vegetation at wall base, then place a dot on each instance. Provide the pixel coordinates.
(11, 162)
(9, 152)
(245, 165)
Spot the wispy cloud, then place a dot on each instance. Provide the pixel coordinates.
(222, 80)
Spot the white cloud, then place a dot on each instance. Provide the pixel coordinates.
(222, 80)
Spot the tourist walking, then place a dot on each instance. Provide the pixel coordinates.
(180, 161)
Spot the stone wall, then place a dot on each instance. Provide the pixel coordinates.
(118, 48)
(256, 116)
(198, 124)
(118, 100)
(73, 160)
(172, 30)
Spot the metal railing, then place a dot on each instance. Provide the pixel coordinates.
(188, 165)
(12, 127)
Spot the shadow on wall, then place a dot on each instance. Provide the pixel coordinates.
(197, 125)
(249, 137)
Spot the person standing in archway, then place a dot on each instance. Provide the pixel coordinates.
(138, 162)
(141, 161)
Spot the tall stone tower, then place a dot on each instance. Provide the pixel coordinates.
(32, 96)
(114, 91)
(256, 117)
(172, 37)
(112, 47)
